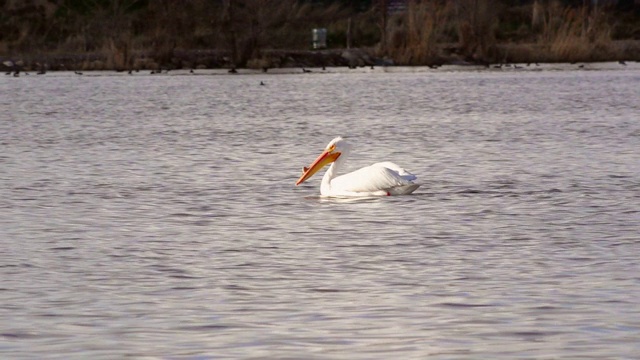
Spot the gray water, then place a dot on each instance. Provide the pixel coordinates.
(156, 217)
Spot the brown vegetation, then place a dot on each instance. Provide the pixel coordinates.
(483, 31)
(139, 34)
(413, 36)
(572, 34)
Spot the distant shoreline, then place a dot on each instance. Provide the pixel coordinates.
(337, 70)
(271, 60)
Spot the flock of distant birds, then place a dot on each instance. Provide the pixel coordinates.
(42, 68)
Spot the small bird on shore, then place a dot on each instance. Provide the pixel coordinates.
(77, 72)
(191, 71)
(262, 83)
(621, 62)
(233, 71)
(306, 70)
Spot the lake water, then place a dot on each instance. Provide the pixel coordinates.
(156, 217)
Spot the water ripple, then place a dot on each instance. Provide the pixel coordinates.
(158, 217)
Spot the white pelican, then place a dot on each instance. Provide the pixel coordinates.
(379, 179)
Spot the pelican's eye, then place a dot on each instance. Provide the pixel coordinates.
(332, 147)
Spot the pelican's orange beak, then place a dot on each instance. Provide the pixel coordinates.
(327, 157)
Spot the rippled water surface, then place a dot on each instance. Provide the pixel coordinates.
(156, 216)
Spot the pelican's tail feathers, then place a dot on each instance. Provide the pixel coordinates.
(403, 189)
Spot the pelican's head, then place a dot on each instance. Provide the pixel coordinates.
(331, 153)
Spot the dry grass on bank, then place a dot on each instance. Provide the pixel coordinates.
(576, 34)
(565, 34)
(413, 36)
(417, 37)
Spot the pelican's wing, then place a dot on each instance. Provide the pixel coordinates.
(395, 167)
(377, 177)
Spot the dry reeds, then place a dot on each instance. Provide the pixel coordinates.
(476, 28)
(416, 36)
(412, 36)
(575, 34)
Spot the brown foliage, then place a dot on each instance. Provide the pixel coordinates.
(575, 34)
(477, 24)
(413, 35)
(143, 33)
